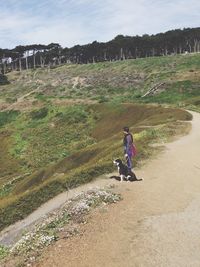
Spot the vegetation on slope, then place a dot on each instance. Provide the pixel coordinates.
(88, 159)
(108, 81)
(59, 131)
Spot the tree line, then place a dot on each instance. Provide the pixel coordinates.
(121, 47)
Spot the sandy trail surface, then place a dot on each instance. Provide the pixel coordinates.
(156, 224)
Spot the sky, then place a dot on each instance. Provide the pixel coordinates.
(72, 22)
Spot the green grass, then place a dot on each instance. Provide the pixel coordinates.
(4, 251)
(7, 117)
(3, 79)
(39, 114)
(107, 81)
(45, 140)
(176, 93)
(9, 165)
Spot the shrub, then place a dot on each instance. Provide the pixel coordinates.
(103, 99)
(3, 80)
(39, 114)
(74, 114)
(11, 100)
(8, 116)
(40, 96)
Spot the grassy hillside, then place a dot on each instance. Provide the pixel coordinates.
(62, 127)
(101, 82)
(76, 149)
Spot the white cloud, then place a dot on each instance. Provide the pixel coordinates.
(71, 22)
(56, 31)
(144, 16)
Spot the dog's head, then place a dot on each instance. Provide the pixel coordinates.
(117, 162)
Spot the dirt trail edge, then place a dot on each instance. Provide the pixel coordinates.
(156, 224)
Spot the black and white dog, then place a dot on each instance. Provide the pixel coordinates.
(124, 172)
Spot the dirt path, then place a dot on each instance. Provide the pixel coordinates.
(156, 224)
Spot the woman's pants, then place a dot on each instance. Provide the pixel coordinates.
(129, 161)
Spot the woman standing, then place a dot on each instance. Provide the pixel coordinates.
(129, 147)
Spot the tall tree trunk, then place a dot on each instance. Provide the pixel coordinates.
(190, 48)
(4, 68)
(196, 46)
(105, 56)
(49, 67)
(175, 50)
(130, 54)
(136, 52)
(27, 54)
(41, 61)
(180, 49)
(59, 60)
(121, 54)
(34, 59)
(12, 65)
(166, 51)
(20, 64)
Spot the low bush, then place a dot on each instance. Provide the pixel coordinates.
(3, 79)
(39, 114)
(74, 114)
(11, 100)
(8, 116)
